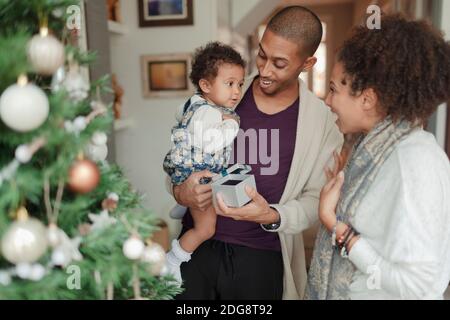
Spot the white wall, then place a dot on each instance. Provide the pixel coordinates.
(141, 149)
(240, 9)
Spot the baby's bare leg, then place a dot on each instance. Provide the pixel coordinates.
(204, 229)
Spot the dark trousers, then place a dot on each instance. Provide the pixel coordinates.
(223, 271)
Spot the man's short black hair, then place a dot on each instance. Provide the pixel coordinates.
(299, 25)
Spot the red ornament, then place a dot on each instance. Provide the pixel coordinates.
(84, 176)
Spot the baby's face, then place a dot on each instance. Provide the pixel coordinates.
(226, 88)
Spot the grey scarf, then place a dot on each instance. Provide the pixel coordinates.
(330, 275)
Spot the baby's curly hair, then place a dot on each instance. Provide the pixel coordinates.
(208, 59)
(407, 64)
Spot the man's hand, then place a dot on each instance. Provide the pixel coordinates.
(192, 194)
(258, 210)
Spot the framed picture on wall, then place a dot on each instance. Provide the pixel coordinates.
(159, 13)
(166, 76)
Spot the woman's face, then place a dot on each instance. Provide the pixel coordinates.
(348, 108)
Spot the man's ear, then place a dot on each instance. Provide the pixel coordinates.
(370, 100)
(204, 85)
(309, 63)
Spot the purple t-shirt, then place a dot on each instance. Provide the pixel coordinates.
(266, 143)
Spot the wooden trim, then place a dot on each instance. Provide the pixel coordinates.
(189, 20)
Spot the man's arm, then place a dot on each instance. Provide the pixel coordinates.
(300, 214)
(297, 215)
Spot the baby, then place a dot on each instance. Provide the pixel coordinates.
(206, 129)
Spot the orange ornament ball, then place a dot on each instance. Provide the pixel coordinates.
(84, 176)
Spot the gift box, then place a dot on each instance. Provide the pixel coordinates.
(231, 185)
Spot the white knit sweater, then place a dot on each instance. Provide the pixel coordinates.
(404, 221)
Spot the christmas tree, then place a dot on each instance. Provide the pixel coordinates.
(71, 227)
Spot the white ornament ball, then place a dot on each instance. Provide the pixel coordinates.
(99, 138)
(37, 272)
(60, 257)
(133, 248)
(154, 255)
(23, 270)
(113, 196)
(58, 12)
(46, 54)
(5, 278)
(164, 270)
(25, 241)
(97, 153)
(58, 79)
(23, 154)
(80, 123)
(97, 105)
(76, 86)
(24, 107)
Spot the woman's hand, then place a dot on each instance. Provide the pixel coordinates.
(339, 163)
(329, 198)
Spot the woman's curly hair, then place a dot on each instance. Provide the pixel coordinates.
(208, 59)
(407, 64)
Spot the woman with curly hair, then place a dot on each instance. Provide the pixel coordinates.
(385, 230)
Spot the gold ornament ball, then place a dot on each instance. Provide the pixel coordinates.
(25, 241)
(84, 176)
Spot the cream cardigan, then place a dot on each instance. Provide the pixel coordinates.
(317, 138)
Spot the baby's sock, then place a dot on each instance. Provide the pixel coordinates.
(177, 212)
(175, 258)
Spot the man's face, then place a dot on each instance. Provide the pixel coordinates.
(279, 62)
